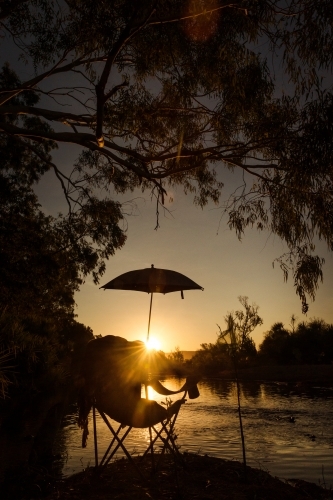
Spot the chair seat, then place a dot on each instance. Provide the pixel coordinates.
(164, 435)
(140, 413)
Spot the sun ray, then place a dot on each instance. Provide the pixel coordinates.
(153, 344)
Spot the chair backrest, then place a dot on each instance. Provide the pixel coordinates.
(113, 370)
(113, 363)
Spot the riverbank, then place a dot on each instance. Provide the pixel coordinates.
(200, 478)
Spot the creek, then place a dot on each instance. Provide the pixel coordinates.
(288, 429)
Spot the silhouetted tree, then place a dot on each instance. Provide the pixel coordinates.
(275, 345)
(39, 352)
(160, 93)
(236, 341)
(240, 325)
(310, 343)
(176, 356)
(212, 359)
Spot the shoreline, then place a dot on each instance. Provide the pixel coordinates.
(200, 477)
(301, 374)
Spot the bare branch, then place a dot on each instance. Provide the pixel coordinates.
(59, 116)
(130, 30)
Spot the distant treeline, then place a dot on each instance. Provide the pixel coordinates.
(307, 343)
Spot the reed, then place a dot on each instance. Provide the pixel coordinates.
(233, 347)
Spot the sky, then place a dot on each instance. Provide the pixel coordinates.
(198, 243)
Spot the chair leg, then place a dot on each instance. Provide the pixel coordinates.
(152, 450)
(110, 447)
(169, 433)
(95, 436)
(173, 447)
(166, 441)
(152, 442)
(117, 442)
(151, 446)
(119, 445)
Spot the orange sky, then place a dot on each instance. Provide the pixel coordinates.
(198, 244)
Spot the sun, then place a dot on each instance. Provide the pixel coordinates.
(153, 344)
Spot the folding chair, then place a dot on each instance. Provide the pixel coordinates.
(113, 371)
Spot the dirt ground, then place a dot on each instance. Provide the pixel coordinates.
(195, 477)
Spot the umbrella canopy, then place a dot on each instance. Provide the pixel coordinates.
(152, 280)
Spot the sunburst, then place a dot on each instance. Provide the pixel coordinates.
(153, 344)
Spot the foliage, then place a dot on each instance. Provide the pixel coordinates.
(235, 341)
(176, 356)
(5, 371)
(275, 343)
(240, 325)
(309, 343)
(37, 353)
(163, 93)
(43, 259)
(304, 343)
(211, 359)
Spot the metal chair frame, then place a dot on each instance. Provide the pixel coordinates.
(117, 441)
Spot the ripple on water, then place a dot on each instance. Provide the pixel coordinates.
(302, 449)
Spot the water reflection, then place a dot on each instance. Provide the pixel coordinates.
(288, 428)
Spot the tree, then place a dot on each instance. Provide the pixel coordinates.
(43, 259)
(240, 325)
(161, 93)
(310, 343)
(37, 354)
(211, 359)
(176, 356)
(275, 345)
(241, 348)
(234, 343)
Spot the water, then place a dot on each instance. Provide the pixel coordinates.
(209, 425)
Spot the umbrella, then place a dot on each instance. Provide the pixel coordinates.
(152, 280)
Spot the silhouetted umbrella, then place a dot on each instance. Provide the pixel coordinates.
(152, 280)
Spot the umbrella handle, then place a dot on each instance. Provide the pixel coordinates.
(151, 302)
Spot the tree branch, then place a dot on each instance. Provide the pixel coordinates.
(175, 19)
(129, 31)
(50, 115)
